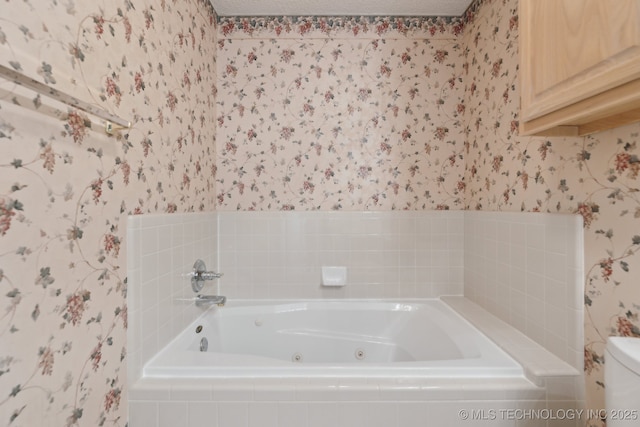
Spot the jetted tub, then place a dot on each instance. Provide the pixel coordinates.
(331, 338)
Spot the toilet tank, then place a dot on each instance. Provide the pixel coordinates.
(622, 381)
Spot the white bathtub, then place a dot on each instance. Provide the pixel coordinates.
(320, 338)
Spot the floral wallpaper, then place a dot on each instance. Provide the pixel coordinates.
(65, 188)
(263, 114)
(340, 113)
(298, 96)
(594, 176)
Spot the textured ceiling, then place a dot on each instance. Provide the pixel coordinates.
(340, 7)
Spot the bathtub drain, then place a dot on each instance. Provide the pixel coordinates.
(360, 354)
(297, 357)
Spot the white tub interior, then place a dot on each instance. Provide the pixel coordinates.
(356, 338)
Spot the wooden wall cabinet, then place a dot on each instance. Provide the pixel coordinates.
(579, 65)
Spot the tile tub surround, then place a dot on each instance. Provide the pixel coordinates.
(523, 267)
(398, 254)
(281, 404)
(345, 402)
(161, 249)
(528, 270)
(282, 252)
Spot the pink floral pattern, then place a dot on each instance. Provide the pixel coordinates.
(331, 26)
(67, 188)
(302, 113)
(594, 176)
(369, 121)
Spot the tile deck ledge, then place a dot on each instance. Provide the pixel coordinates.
(538, 362)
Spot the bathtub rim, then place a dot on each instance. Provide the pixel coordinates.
(532, 386)
(499, 364)
(537, 362)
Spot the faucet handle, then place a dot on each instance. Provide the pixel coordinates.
(199, 274)
(210, 275)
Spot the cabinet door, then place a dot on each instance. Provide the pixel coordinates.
(573, 50)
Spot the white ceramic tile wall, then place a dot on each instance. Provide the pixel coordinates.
(161, 249)
(527, 269)
(349, 402)
(521, 267)
(388, 254)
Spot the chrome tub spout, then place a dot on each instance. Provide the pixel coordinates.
(207, 300)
